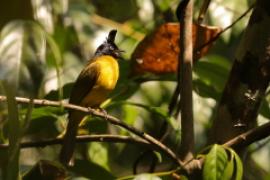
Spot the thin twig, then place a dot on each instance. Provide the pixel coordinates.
(224, 30)
(82, 139)
(109, 118)
(249, 137)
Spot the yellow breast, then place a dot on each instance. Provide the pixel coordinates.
(108, 75)
(109, 72)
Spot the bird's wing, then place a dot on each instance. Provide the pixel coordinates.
(84, 83)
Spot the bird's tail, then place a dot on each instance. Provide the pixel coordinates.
(69, 140)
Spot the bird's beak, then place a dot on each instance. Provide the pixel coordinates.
(118, 53)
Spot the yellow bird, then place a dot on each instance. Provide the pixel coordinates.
(92, 87)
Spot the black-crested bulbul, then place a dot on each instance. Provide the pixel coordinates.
(92, 87)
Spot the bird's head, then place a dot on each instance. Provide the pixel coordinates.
(109, 47)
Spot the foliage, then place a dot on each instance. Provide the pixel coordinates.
(222, 163)
(41, 56)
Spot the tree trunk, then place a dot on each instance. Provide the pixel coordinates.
(249, 78)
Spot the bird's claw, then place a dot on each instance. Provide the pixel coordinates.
(104, 112)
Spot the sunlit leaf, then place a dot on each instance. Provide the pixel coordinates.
(98, 153)
(146, 177)
(22, 56)
(238, 165)
(158, 155)
(215, 163)
(43, 14)
(91, 170)
(228, 172)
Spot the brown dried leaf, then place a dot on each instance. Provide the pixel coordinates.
(158, 52)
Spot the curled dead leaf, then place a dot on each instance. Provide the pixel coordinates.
(158, 52)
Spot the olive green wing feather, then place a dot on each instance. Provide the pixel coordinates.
(84, 83)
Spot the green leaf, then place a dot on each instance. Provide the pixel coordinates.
(54, 59)
(212, 74)
(215, 163)
(98, 153)
(40, 112)
(239, 167)
(228, 172)
(43, 121)
(94, 125)
(14, 132)
(124, 90)
(205, 90)
(265, 109)
(158, 155)
(22, 56)
(155, 110)
(46, 170)
(91, 170)
(43, 13)
(238, 170)
(54, 94)
(146, 177)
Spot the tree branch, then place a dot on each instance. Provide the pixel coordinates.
(249, 137)
(109, 118)
(241, 141)
(248, 80)
(184, 14)
(82, 139)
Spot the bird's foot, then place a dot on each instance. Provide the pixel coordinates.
(104, 113)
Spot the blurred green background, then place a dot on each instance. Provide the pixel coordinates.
(45, 44)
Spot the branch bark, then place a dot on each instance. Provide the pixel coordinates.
(82, 139)
(109, 118)
(241, 141)
(249, 137)
(184, 13)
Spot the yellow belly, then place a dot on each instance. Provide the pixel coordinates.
(106, 81)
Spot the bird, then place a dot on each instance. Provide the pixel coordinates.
(92, 87)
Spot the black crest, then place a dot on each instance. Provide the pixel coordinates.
(109, 47)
